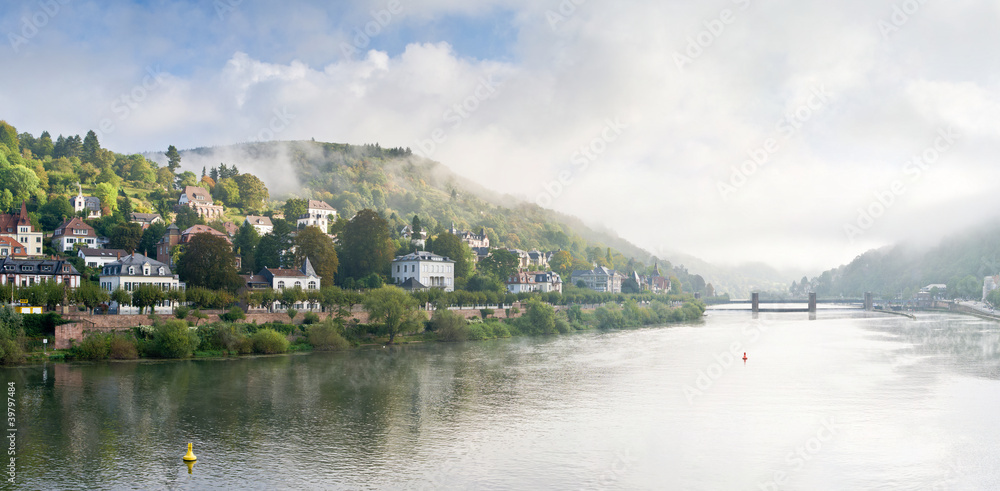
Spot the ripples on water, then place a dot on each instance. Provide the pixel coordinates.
(847, 401)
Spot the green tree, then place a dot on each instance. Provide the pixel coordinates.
(228, 192)
(8, 136)
(208, 262)
(147, 296)
(91, 295)
(173, 159)
(311, 242)
(245, 244)
(562, 263)
(253, 192)
(108, 194)
(121, 297)
(416, 227)
(43, 146)
(90, 147)
(21, 181)
(501, 263)
(187, 178)
(187, 217)
(150, 237)
(141, 171)
(454, 248)
(367, 247)
(294, 208)
(126, 236)
(394, 309)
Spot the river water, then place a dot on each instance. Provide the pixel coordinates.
(845, 401)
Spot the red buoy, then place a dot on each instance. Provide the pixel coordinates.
(744, 356)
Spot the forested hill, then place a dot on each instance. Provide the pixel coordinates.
(401, 185)
(960, 261)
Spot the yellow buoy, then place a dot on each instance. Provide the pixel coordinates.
(190, 464)
(189, 457)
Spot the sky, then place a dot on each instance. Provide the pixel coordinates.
(794, 133)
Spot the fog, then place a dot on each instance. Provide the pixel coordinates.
(796, 134)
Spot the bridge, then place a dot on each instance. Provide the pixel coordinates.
(755, 302)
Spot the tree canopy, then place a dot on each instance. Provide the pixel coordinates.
(207, 261)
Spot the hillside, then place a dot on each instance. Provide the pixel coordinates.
(960, 261)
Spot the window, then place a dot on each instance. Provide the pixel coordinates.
(160, 271)
(131, 270)
(298, 284)
(312, 285)
(281, 285)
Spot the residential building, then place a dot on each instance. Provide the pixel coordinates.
(536, 281)
(430, 270)
(481, 253)
(146, 219)
(523, 259)
(71, 232)
(539, 260)
(99, 258)
(318, 214)
(231, 229)
(600, 279)
(474, 240)
(282, 278)
(27, 272)
(89, 203)
(658, 283)
(201, 201)
(174, 237)
(419, 240)
(262, 224)
(133, 271)
(12, 248)
(19, 228)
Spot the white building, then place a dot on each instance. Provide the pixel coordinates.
(74, 231)
(262, 224)
(601, 279)
(431, 270)
(538, 281)
(318, 214)
(99, 258)
(281, 278)
(27, 272)
(89, 203)
(201, 201)
(135, 270)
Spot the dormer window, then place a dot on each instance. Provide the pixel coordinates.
(131, 270)
(160, 271)
(145, 271)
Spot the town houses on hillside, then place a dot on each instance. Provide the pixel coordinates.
(71, 232)
(174, 237)
(146, 219)
(12, 248)
(474, 240)
(98, 258)
(262, 224)
(201, 201)
(279, 279)
(600, 279)
(537, 281)
(19, 228)
(135, 270)
(423, 270)
(27, 272)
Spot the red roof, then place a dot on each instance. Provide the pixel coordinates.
(76, 223)
(14, 246)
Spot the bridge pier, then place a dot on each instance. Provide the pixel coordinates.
(756, 302)
(812, 302)
(869, 301)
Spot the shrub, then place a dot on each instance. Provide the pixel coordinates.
(93, 348)
(269, 342)
(449, 326)
(228, 337)
(291, 314)
(234, 314)
(11, 351)
(326, 336)
(174, 339)
(182, 312)
(123, 347)
(310, 318)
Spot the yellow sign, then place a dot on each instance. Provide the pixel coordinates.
(23, 300)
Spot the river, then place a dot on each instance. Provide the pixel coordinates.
(845, 401)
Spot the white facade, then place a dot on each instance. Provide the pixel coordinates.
(75, 231)
(539, 281)
(27, 272)
(89, 203)
(263, 225)
(99, 258)
(430, 270)
(318, 214)
(133, 271)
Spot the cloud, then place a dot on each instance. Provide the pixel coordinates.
(516, 123)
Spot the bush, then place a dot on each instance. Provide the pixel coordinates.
(269, 342)
(291, 314)
(174, 339)
(123, 347)
(93, 348)
(11, 351)
(37, 325)
(326, 336)
(449, 326)
(234, 314)
(310, 318)
(182, 312)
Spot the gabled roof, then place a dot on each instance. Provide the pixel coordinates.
(139, 261)
(14, 246)
(423, 256)
(412, 284)
(145, 217)
(36, 266)
(320, 205)
(11, 222)
(305, 271)
(75, 223)
(115, 253)
(197, 194)
(201, 229)
(259, 221)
